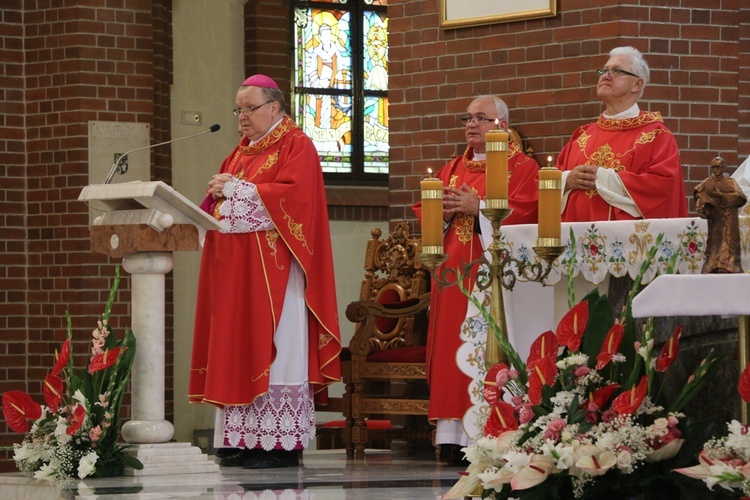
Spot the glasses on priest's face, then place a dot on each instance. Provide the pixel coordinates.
(479, 120)
(614, 72)
(249, 110)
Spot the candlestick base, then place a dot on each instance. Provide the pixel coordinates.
(432, 260)
(496, 214)
(549, 253)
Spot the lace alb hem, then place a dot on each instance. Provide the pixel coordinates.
(242, 210)
(283, 418)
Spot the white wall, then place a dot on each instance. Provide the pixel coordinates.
(208, 69)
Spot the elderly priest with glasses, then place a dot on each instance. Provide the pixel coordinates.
(266, 327)
(626, 165)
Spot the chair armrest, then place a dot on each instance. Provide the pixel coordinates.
(364, 313)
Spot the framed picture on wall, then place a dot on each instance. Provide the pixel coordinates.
(464, 13)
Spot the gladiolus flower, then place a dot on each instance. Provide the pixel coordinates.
(628, 402)
(105, 359)
(18, 408)
(572, 325)
(62, 358)
(52, 389)
(610, 346)
(492, 390)
(669, 352)
(76, 420)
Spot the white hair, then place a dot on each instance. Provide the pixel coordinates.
(500, 107)
(640, 66)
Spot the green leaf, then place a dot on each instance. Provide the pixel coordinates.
(131, 461)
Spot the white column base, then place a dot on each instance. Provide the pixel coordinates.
(170, 458)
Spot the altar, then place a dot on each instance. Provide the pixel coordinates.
(601, 250)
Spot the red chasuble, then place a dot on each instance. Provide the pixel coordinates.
(644, 154)
(243, 277)
(449, 397)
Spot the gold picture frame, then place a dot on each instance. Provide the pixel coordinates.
(465, 13)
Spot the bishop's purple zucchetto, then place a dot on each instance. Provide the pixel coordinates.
(260, 81)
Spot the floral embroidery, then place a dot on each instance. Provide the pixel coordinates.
(271, 237)
(295, 229)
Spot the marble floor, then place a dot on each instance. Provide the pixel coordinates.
(322, 475)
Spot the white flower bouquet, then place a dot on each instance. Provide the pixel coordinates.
(583, 417)
(75, 434)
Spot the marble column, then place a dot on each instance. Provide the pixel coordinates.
(147, 424)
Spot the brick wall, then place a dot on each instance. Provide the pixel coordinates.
(544, 69)
(83, 60)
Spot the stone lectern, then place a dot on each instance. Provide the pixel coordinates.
(144, 222)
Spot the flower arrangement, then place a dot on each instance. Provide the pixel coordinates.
(75, 434)
(584, 416)
(725, 461)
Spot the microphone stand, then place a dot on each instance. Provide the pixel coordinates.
(119, 167)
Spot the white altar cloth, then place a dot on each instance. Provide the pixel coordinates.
(694, 295)
(602, 249)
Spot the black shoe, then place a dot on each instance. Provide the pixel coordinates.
(273, 459)
(225, 452)
(239, 457)
(451, 454)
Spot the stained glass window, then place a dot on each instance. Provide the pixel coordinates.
(341, 85)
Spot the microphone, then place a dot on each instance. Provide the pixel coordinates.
(118, 166)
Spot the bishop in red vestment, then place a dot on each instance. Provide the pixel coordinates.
(626, 165)
(464, 188)
(266, 329)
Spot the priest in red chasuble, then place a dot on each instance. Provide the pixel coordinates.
(266, 327)
(463, 195)
(626, 165)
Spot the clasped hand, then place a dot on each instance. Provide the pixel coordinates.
(582, 177)
(216, 185)
(459, 200)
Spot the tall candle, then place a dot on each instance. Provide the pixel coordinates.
(496, 174)
(550, 193)
(432, 215)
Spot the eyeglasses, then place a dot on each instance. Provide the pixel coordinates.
(615, 72)
(249, 110)
(476, 119)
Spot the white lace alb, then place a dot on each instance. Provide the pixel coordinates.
(284, 417)
(242, 210)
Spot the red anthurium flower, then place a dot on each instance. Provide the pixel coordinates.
(76, 420)
(62, 358)
(491, 391)
(669, 352)
(53, 391)
(628, 402)
(501, 419)
(105, 359)
(18, 409)
(542, 374)
(744, 386)
(572, 325)
(598, 399)
(545, 346)
(610, 346)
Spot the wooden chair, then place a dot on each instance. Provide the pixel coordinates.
(387, 369)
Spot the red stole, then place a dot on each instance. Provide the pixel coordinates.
(243, 277)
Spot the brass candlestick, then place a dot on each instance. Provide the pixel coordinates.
(504, 270)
